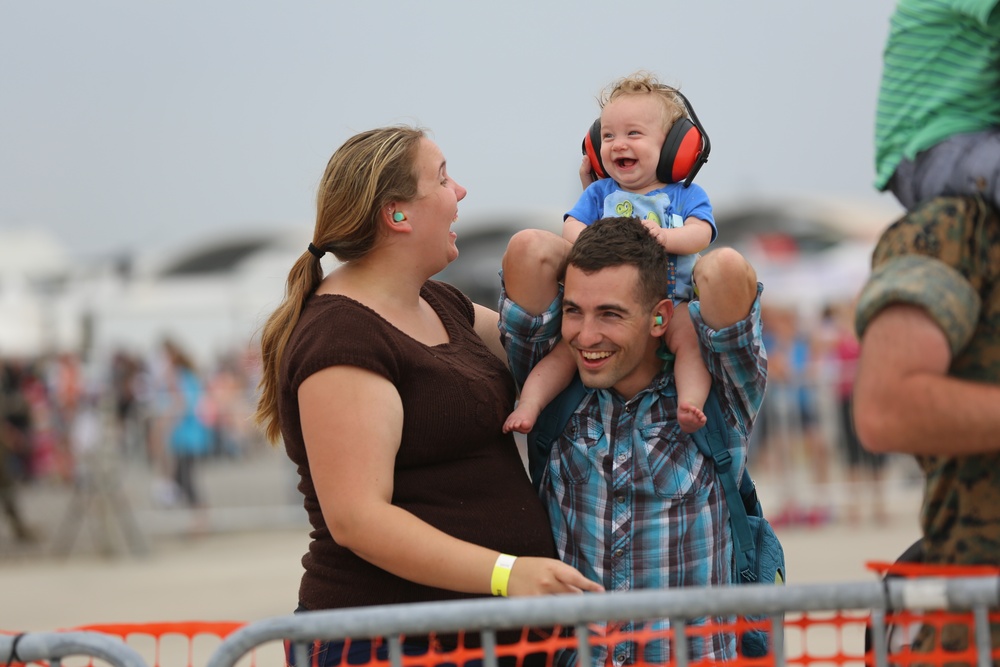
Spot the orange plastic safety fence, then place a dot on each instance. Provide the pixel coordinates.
(827, 640)
(162, 644)
(950, 635)
(885, 568)
(160, 633)
(814, 639)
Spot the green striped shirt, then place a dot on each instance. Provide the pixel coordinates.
(940, 77)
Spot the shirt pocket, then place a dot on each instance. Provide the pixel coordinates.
(671, 461)
(578, 448)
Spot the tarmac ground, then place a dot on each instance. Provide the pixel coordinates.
(243, 563)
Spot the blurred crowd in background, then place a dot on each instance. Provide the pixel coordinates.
(164, 412)
(804, 440)
(160, 411)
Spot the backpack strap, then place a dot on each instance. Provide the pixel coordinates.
(549, 425)
(711, 442)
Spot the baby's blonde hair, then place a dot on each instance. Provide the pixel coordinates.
(646, 83)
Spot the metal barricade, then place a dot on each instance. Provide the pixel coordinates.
(53, 647)
(171, 643)
(869, 601)
(163, 643)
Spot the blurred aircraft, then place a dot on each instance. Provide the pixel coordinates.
(213, 295)
(808, 252)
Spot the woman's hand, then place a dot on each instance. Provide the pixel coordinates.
(547, 576)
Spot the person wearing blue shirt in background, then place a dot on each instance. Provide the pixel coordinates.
(189, 439)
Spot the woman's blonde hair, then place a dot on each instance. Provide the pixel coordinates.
(368, 172)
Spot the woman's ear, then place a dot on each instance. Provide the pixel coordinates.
(394, 218)
(662, 313)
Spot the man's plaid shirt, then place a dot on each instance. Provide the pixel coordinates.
(633, 503)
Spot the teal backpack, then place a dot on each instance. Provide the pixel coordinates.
(758, 555)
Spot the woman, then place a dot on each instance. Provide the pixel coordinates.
(390, 390)
(189, 438)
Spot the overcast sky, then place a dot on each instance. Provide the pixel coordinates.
(136, 125)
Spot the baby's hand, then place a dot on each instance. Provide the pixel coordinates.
(653, 228)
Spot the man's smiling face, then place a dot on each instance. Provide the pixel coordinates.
(609, 329)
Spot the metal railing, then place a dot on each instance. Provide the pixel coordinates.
(53, 647)
(487, 616)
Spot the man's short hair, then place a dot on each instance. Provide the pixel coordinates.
(613, 242)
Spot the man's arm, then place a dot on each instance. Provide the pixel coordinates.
(904, 400)
(918, 319)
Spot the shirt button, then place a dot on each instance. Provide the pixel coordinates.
(622, 457)
(619, 552)
(620, 658)
(620, 497)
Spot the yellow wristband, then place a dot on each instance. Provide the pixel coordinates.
(501, 575)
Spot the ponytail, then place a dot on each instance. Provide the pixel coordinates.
(368, 171)
(303, 279)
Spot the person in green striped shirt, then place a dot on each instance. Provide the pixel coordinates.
(937, 128)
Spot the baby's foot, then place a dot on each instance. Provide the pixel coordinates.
(690, 417)
(521, 420)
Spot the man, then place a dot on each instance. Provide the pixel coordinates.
(928, 379)
(632, 502)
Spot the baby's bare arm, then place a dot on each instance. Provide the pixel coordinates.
(692, 238)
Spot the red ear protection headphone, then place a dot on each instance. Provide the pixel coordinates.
(684, 151)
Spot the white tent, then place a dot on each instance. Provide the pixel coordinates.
(33, 265)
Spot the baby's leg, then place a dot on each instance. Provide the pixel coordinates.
(692, 378)
(549, 377)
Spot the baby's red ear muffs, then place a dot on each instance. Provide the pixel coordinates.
(592, 149)
(684, 151)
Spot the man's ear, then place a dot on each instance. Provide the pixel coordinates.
(662, 313)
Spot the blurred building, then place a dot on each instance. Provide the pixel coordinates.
(34, 271)
(211, 295)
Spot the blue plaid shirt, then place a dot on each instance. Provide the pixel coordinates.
(633, 503)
